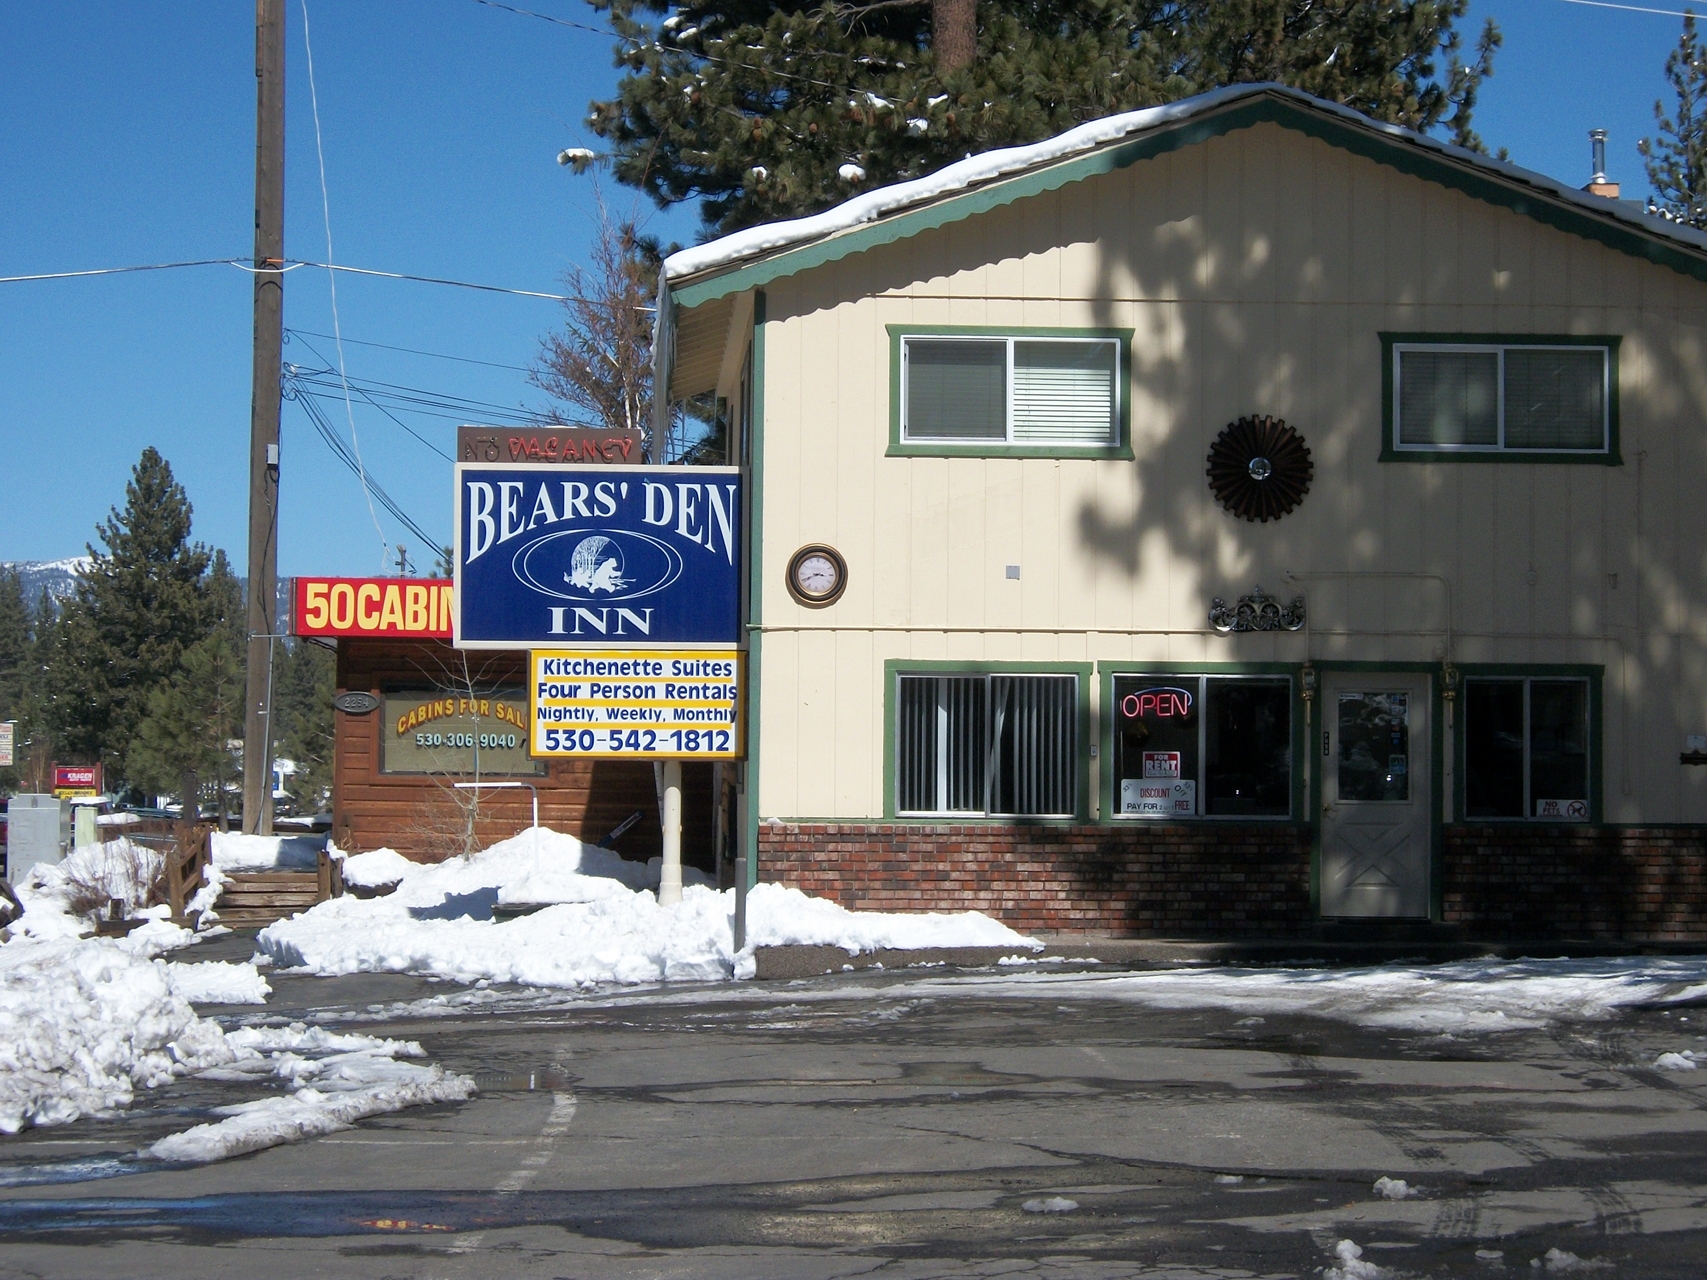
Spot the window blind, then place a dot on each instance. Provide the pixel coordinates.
(1064, 392)
(956, 389)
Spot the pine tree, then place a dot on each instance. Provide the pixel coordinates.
(1677, 161)
(305, 678)
(18, 674)
(141, 601)
(772, 111)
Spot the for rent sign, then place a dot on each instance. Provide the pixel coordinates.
(646, 703)
(630, 556)
(416, 607)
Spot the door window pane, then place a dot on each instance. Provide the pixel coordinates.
(1493, 748)
(1248, 730)
(956, 389)
(1374, 752)
(1449, 397)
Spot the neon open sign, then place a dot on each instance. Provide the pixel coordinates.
(1164, 703)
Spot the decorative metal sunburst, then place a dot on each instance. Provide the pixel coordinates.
(1259, 468)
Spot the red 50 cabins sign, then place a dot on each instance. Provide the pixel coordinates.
(415, 607)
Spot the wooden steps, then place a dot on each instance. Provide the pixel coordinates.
(255, 899)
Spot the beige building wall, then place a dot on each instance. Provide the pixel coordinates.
(1256, 271)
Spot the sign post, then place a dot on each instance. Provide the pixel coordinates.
(8, 743)
(624, 584)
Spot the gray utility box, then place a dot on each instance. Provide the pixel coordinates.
(38, 829)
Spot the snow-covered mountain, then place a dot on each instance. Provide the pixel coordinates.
(56, 577)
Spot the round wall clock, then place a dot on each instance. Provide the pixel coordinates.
(817, 575)
(1260, 468)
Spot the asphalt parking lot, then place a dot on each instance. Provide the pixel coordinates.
(905, 1124)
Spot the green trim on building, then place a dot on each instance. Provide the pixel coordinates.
(1107, 670)
(755, 587)
(1595, 674)
(1610, 458)
(899, 448)
(1367, 141)
(894, 667)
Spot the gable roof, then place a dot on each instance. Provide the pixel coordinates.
(752, 257)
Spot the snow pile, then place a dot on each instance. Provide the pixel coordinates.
(83, 1025)
(603, 926)
(372, 870)
(1393, 1188)
(333, 1081)
(233, 851)
(94, 873)
(1684, 1061)
(1352, 1266)
(218, 982)
(1469, 997)
(1564, 1262)
(1054, 1204)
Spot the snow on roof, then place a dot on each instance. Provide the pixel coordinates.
(989, 165)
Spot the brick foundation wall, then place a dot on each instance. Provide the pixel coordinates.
(1128, 881)
(1634, 884)
(1223, 881)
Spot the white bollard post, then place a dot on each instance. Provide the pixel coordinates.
(670, 874)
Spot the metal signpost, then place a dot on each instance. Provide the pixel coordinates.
(624, 582)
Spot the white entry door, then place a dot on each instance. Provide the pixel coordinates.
(1376, 810)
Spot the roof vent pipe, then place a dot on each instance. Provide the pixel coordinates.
(1598, 184)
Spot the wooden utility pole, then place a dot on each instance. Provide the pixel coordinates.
(264, 415)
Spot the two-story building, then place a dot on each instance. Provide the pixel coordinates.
(1223, 518)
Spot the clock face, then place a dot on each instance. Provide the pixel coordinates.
(816, 575)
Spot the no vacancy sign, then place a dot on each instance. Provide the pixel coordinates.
(637, 557)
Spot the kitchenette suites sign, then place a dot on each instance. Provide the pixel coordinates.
(624, 583)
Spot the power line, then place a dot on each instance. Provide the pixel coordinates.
(1632, 8)
(414, 351)
(115, 271)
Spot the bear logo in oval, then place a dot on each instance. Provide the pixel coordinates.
(598, 564)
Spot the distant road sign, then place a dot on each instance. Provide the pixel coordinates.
(629, 556)
(649, 704)
(8, 743)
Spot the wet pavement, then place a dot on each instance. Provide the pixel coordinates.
(891, 1124)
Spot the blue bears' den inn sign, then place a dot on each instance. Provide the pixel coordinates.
(622, 557)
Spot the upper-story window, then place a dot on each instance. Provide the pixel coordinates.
(984, 390)
(1523, 398)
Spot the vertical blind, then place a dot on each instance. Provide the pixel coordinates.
(1001, 745)
(1022, 390)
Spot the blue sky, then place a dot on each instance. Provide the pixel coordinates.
(127, 136)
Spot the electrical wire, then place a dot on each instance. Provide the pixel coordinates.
(1631, 8)
(117, 271)
(332, 280)
(414, 351)
(341, 451)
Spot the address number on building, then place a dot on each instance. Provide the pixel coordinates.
(637, 704)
